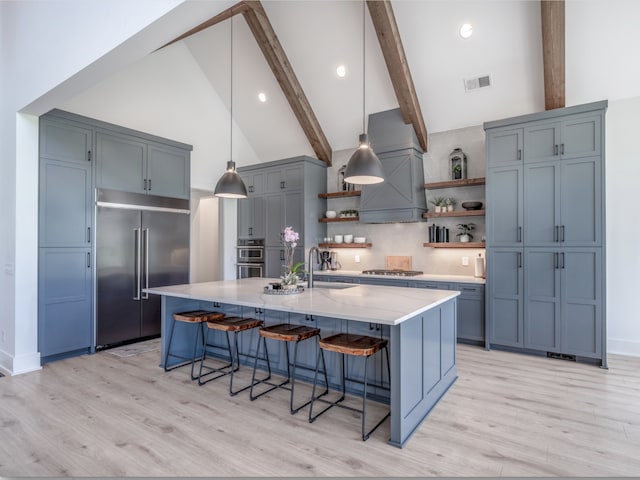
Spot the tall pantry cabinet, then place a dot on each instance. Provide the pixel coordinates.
(77, 156)
(545, 232)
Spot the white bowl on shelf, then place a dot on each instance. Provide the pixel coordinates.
(348, 238)
(331, 214)
(359, 240)
(337, 239)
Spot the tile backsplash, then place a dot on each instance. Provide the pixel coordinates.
(408, 238)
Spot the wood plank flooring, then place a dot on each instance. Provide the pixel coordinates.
(507, 415)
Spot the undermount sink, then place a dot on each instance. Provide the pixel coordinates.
(333, 286)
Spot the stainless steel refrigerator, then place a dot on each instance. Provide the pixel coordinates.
(141, 241)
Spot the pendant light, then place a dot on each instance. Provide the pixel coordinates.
(230, 184)
(364, 166)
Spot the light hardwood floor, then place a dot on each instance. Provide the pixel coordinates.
(507, 415)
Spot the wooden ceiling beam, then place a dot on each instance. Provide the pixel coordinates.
(221, 17)
(276, 57)
(553, 53)
(384, 22)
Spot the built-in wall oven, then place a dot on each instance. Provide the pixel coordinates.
(250, 258)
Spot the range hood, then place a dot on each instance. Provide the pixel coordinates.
(401, 197)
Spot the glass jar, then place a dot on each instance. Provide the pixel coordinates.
(457, 165)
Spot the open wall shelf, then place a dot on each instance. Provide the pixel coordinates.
(455, 245)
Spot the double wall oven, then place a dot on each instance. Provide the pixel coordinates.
(250, 258)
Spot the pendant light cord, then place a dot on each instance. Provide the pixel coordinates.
(364, 56)
(231, 91)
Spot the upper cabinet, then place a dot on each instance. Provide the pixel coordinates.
(504, 147)
(128, 163)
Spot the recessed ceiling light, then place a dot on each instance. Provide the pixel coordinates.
(466, 30)
(262, 97)
(341, 71)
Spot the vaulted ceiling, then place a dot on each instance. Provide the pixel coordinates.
(318, 36)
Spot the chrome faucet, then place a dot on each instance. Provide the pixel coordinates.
(311, 250)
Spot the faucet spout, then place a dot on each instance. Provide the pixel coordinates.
(311, 250)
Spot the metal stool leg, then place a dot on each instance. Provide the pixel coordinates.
(220, 370)
(255, 366)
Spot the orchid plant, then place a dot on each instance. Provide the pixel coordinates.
(290, 240)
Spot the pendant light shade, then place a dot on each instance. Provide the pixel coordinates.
(364, 166)
(230, 184)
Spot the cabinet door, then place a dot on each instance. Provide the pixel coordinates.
(64, 300)
(542, 299)
(168, 171)
(293, 177)
(64, 141)
(504, 147)
(581, 202)
(273, 262)
(582, 306)
(294, 213)
(471, 318)
(504, 206)
(120, 162)
(254, 181)
(274, 225)
(273, 180)
(581, 136)
(542, 204)
(245, 217)
(505, 295)
(64, 204)
(542, 142)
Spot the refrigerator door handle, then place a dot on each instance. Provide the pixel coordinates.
(145, 232)
(136, 246)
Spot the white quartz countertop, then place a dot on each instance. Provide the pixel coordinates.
(363, 303)
(424, 277)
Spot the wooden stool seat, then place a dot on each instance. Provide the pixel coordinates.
(197, 316)
(289, 333)
(234, 324)
(349, 344)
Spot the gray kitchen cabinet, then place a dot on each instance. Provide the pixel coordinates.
(558, 306)
(274, 260)
(576, 136)
(505, 210)
(542, 299)
(504, 147)
(563, 202)
(505, 296)
(289, 191)
(65, 302)
(133, 164)
(65, 204)
(470, 312)
(75, 154)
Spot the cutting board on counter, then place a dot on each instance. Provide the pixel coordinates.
(397, 262)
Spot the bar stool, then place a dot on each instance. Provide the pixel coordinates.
(287, 333)
(197, 318)
(355, 345)
(228, 325)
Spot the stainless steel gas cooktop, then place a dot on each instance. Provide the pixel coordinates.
(397, 273)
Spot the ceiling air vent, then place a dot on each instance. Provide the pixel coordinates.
(476, 83)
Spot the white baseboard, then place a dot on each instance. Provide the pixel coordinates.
(623, 347)
(11, 365)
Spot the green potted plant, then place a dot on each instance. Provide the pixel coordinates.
(451, 204)
(457, 172)
(465, 232)
(439, 204)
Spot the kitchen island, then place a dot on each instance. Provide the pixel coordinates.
(419, 323)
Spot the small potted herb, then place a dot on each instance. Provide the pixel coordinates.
(439, 204)
(451, 204)
(465, 232)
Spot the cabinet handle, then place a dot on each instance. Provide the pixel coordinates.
(519, 234)
(88, 234)
(556, 237)
(562, 230)
(519, 259)
(519, 154)
(282, 184)
(555, 149)
(562, 260)
(370, 326)
(562, 149)
(145, 184)
(149, 184)
(250, 231)
(250, 188)
(88, 155)
(556, 262)
(88, 259)
(282, 255)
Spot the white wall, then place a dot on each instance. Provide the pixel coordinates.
(205, 244)
(602, 63)
(35, 78)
